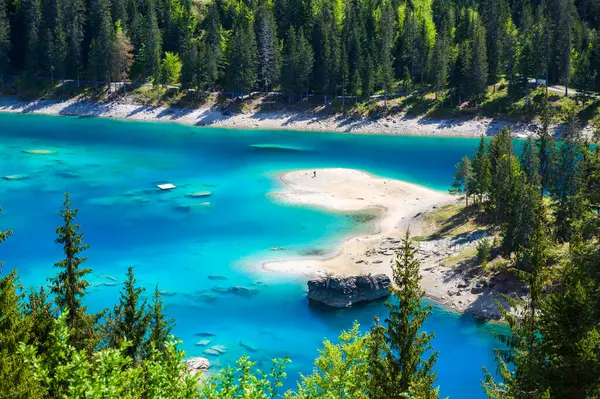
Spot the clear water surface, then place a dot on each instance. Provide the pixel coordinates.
(111, 169)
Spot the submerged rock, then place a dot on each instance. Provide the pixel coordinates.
(191, 207)
(216, 277)
(197, 365)
(237, 290)
(277, 148)
(38, 152)
(199, 194)
(342, 292)
(204, 334)
(16, 177)
(222, 349)
(248, 346)
(203, 342)
(211, 352)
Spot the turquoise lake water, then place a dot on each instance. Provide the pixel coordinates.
(111, 169)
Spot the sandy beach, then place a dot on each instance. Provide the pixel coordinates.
(281, 119)
(402, 205)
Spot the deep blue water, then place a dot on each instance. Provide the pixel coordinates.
(111, 169)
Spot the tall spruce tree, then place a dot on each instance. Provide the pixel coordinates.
(478, 69)
(99, 62)
(160, 325)
(32, 14)
(403, 358)
(4, 41)
(69, 285)
(41, 316)
(546, 149)
(129, 319)
(243, 57)
(54, 39)
(74, 17)
(268, 46)
(525, 379)
(463, 179)
(387, 28)
(17, 379)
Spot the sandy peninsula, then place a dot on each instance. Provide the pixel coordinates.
(402, 205)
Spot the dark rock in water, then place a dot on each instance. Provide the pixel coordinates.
(237, 290)
(342, 292)
(206, 298)
(248, 346)
(204, 334)
(216, 277)
(167, 293)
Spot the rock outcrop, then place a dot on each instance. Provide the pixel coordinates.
(197, 365)
(342, 292)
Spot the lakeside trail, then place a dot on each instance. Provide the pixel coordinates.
(272, 120)
(401, 206)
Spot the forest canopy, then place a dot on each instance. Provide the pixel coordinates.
(342, 47)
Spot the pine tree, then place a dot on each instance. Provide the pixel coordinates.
(41, 315)
(129, 319)
(99, 63)
(569, 325)
(403, 359)
(191, 74)
(213, 61)
(504, 170)
(243, 58)
(304, 61)
(4, 42)
(530, 162)
(151, 49)
(160, 325)
(387, 35)
(463, 179)
(482, 178)
(525, 341)
(74, 16)
(564, 39)
(121, 55)
(566, 184)
(440, 63)
(478, 69)
(69, 285)
(32, 10)
(17, 379)
(493, 16)
(546, 148)
(268, 46)
(54, 38)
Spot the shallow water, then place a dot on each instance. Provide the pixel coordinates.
(111, 169)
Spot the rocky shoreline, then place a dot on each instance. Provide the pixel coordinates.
(280, 120)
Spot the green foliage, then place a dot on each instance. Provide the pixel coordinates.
(463, 179)
(160, 326)
(244, 382)
(129, 319)
(170, 69)
(16, 380)
(402, 358)
(484, 250)
(69, 285)
(341, 370)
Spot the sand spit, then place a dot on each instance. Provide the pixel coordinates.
(402, 204)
